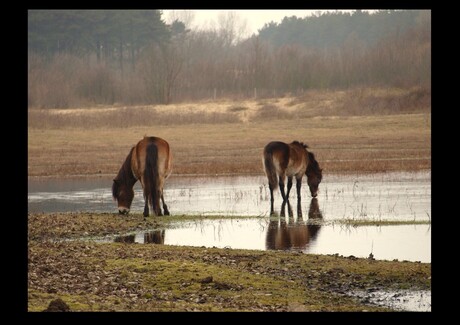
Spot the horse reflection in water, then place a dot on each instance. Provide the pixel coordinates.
(296, 235)
(151, 237)
(154, 237)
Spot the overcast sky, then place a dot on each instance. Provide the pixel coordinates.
(255, 19)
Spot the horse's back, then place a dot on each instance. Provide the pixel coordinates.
(276, 146)
(163, 152)
(298, 159)
(159, 142)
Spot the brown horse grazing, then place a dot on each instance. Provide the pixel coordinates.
(150, 162)
(281, 159)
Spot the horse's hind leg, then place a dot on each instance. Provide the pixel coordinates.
(146, 208)
(289, 185)
(283, 210)
(272, 210)
(157, 208)
(281, 184)
(165, 207)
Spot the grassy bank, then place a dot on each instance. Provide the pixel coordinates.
(91, 276)
(361, 130)
(129, 277)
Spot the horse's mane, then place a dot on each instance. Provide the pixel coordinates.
(300, 143)
(125, 175)
(313, 165)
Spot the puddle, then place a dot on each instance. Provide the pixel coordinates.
(402, 242)
(404, 300)
(308, 227)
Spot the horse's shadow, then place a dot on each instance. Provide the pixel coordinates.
(294, 233)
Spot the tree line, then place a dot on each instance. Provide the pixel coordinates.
(88, 57)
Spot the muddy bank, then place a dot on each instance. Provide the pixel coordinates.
(399, 240)
(91, 276)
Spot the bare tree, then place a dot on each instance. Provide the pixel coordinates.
(232, 27)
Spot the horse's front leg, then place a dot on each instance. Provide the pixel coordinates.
(146, 207)
(298, 185)
(299, 211)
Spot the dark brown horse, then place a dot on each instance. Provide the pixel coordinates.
(282, 159)
(150, 162)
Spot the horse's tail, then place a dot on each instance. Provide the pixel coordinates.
(151, 176)
(270, 169)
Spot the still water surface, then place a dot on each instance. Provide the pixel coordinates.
(308, 227)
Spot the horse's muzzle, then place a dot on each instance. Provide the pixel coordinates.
(123, 211)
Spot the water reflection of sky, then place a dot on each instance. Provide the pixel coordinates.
(402, 242)
(306, 227)
(401, 196)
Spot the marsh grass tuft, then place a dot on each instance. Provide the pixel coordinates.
(123, 118)
(235, 109)
(271, 112)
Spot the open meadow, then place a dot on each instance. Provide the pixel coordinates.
(359, 131)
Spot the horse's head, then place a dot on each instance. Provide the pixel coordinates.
(313, 181)
(314, 174)
(124, 195)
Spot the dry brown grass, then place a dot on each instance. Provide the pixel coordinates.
(227, 137)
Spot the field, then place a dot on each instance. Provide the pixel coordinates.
(360, 130)
(355, 131)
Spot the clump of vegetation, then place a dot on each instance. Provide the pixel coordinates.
(124, 117)
(271, 112)
(236, 109)
(366, 101)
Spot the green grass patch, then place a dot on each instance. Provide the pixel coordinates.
(130, 277)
